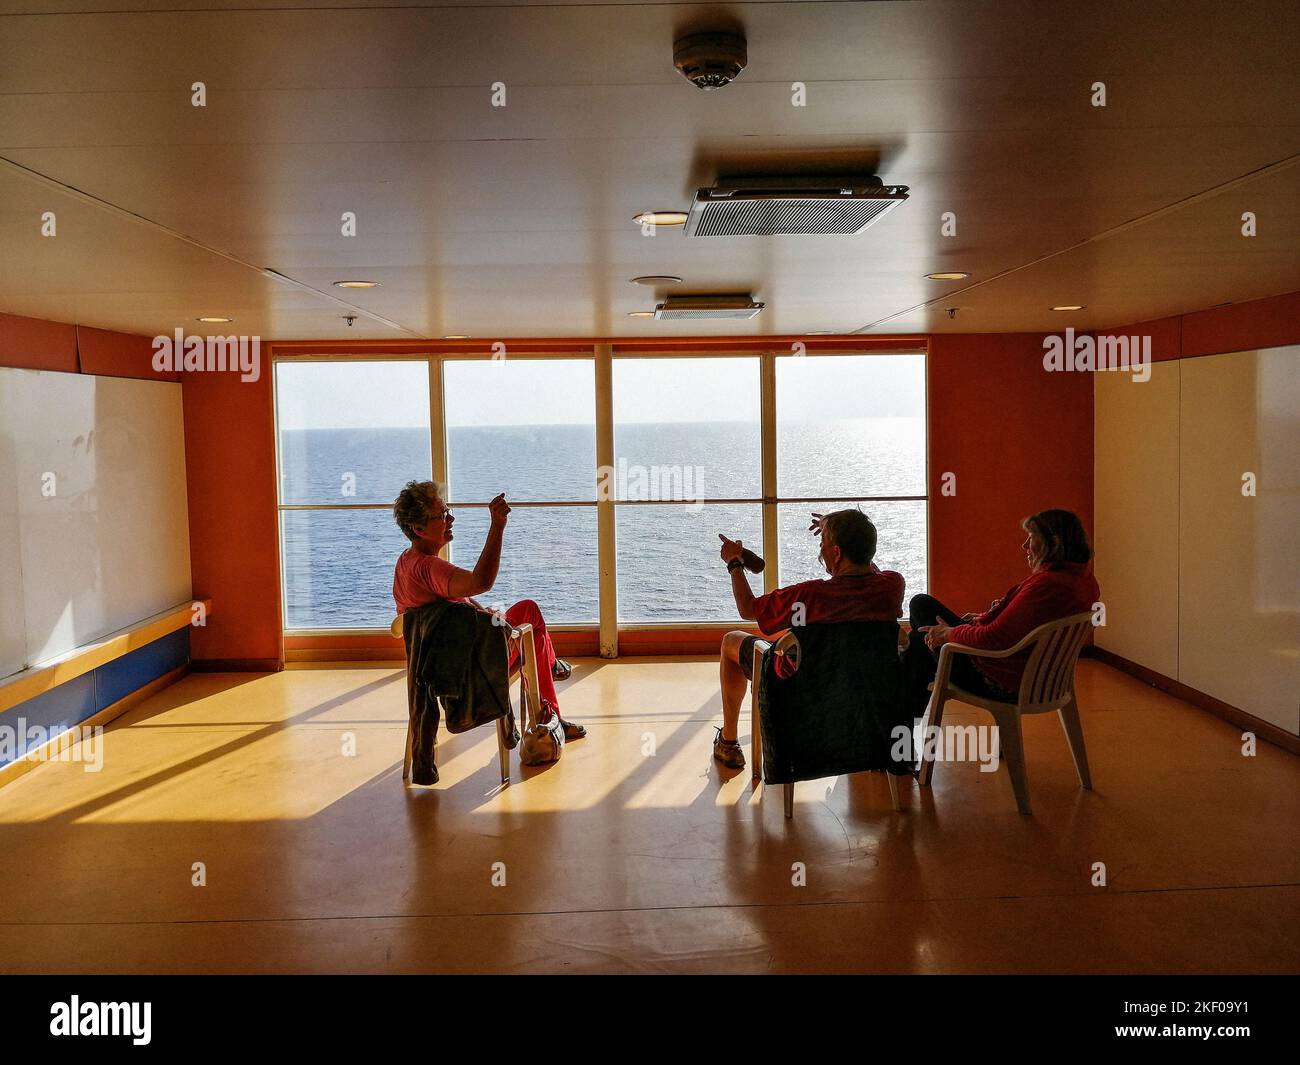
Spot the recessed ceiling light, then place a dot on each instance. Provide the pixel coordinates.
(356, 284)
(821, 333)
(640, 314)
(952, 275)
(656, 279)
(456, 336)
(213, 320)
(1069, 307)
(660, 218)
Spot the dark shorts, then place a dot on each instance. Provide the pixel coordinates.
(747, 656)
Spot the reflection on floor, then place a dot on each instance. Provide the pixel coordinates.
(635, 853)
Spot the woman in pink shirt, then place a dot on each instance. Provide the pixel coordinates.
(1060, 583)
(422, 576)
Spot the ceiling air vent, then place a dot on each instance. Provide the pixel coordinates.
(698, 308)
(761, 207)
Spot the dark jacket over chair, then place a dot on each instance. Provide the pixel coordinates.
(455, 656)
(838, 713)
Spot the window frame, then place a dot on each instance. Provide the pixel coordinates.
(603, 355)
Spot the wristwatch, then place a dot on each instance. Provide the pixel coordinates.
(735, 564)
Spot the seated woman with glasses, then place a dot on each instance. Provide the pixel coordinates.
(422, 577)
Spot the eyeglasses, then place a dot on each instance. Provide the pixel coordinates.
(446, 513)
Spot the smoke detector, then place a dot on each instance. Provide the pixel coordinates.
(710, 60)
(701, 308)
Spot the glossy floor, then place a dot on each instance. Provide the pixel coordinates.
(635, 853)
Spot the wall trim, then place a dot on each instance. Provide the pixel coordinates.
(45, 676)
(236, 665)
(32, 759)
(1234, 715)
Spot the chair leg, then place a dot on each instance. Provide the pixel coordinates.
(789, 801)
(1074, 737)
(406, 760)
(1011, 740)
(930, 725)
(528, 667)
(503, 752)
(893, 789)
(755, 727)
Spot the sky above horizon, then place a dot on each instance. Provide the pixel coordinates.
(368, 394)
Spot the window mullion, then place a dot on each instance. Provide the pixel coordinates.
(767, 444)
(438, 430)
(605, 522)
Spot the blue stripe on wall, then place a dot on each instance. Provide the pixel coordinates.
(31, 723)
(119, 678)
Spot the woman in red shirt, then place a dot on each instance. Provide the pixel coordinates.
(1060, 583)
(422, 576)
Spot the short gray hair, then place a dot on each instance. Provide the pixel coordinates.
(414, 505)
(853, 533)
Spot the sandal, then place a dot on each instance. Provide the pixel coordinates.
(561, 670)
(572, 730)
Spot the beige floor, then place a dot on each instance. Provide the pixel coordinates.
(620, 860)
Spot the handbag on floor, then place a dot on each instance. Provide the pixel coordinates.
(543, 740)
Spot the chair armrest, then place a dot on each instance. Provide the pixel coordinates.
(786, 643)
(978, 652)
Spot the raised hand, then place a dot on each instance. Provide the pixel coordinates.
(815, 524)
(499, 509)
(731, 549)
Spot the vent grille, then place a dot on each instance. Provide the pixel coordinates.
(794, 213)
(700, 307)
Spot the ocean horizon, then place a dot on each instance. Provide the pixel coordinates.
(338, 564)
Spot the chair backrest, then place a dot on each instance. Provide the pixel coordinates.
(1054, 648)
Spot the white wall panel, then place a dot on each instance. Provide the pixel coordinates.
(1135, 515)
(1239, 607)
(110, 546)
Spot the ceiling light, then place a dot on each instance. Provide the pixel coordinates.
(356, 284)
(954, 275)
(1069, 307)
(213, 320)
(456, 336)
(640, 314)
(660, 218)
(656, 279)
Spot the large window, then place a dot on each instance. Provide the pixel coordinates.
(527, 427)
(350, 435)
(850, 432)
(687, 446)
(686, 431)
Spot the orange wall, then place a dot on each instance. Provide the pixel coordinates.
(35, 344)
(1268, 323)
(1019, 440)
(234, 548)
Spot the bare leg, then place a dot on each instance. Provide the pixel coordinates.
(733, 682)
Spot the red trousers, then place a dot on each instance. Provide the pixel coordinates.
(526, 612)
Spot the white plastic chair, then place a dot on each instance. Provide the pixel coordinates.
(525, 664)
(788, 644)
(1047, 685)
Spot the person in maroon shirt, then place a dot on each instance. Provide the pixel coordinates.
(856, 591)
(1060, 583)
(421, 576)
